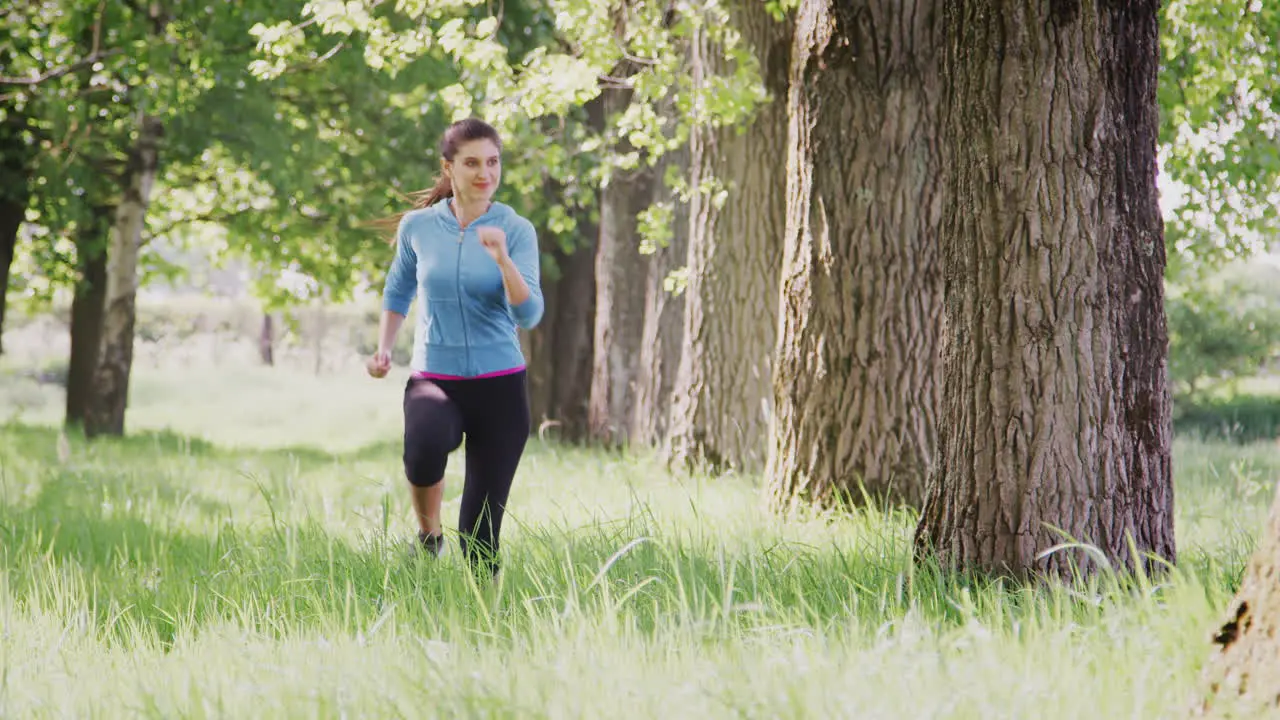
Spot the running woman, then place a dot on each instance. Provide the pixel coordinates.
(473, 264)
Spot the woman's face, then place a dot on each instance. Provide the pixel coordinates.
(476, 170)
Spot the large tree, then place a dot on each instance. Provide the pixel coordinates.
(856, 372)
(76, 84)
(18, 143)
(1055, 423)
(89, 296)
(737, 217)
(141, 146)
(16, 160)
(620, 293)
(106, 408)
(662, 336)
(561, 349)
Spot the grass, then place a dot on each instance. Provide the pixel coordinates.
(219, 564)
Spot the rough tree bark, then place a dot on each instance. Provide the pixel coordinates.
(662, 336)
(86, 311)
(856, 373)
(111, 380)
(620, 293)
(1056, 410)
(723, 392)
(1243, 675)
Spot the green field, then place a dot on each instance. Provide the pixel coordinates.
(242, 554)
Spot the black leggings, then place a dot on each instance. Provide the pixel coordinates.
(493, 413)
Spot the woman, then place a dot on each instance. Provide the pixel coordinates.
(473, 263)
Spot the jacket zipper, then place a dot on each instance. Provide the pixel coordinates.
(466, 343)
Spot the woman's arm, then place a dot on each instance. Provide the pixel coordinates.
(521, 276)
(517, 289)
(402, 277)
(387, 329)
(397, 295)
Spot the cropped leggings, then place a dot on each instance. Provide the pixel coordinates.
(493, 414)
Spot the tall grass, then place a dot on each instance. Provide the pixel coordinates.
(183, 573)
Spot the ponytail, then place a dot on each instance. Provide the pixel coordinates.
(426, 198)
(418, 200)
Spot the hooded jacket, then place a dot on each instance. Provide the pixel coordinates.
(465, 326)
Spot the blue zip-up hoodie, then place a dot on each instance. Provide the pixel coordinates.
(465, 326)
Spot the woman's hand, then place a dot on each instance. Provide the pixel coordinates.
(379, 364)
(494, 241)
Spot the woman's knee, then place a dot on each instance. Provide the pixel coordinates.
(432, 430)
(425, 458)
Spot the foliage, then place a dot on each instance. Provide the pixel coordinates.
(1219, 93)
(1236, 418)
(1223, 328)
(342, 102)
(305, 164)
(283, 172)
(535, 68)
(61, 77)
(111, 62)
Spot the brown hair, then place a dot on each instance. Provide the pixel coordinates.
(462, 131)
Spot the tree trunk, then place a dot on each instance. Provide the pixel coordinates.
(111, 380)
(723, 396)
(319, 331)
(1243, 676)
(856, 370)
(1056, 410)
(12, 212)
(267, 340)
(15, 192)
(662, 337)
(620, 294)
(86, 311)
(560, 349)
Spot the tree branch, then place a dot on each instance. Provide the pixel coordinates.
(613, 83)
(59, 72)
(95, 54)
(317, 62)
(97, 28)
(213, 217)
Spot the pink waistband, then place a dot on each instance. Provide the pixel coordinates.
(437, 376)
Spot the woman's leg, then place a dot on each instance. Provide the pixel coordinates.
(432, 430)
(426, 506)
(496, 437)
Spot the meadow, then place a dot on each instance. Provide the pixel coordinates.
(243, 553)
